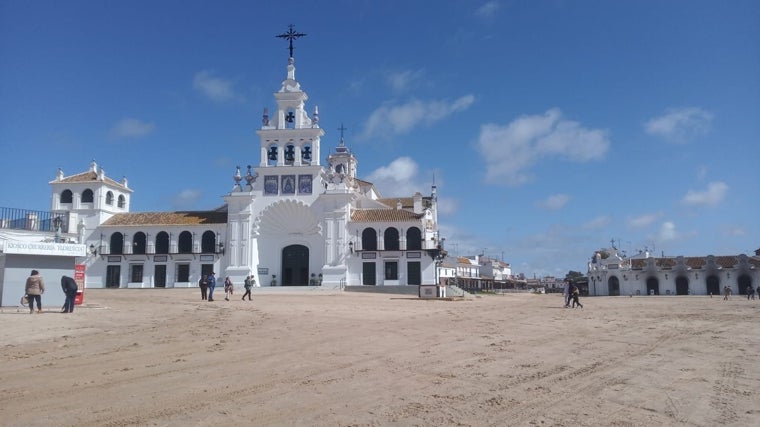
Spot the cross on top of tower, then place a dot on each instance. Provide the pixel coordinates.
(342, 146)
(341, 129)
(290, 35)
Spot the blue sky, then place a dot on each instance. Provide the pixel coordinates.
(549, 127)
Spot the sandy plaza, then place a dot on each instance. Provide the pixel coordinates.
(162, 357)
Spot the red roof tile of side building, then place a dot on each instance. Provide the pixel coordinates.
(167, 218)
(695, 262)
(363, 182)
(406, 202)
(384, 215)
(90, 176)
(726, 261)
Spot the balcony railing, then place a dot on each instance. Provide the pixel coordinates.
(25, 219)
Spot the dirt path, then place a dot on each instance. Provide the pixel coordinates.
(162, 358)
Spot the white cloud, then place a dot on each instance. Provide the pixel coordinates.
(597, 223)
(713, 195)
(680, 124)
(702, 172)
(396, 179)
(554, 202)
(402, 118)
(214, 88)
(509, 151)
(447, 206)
(131, 128)
(402, 80)
(644, 220)
(667, 232)
(734, 231)
(488, 10)
(186, 199)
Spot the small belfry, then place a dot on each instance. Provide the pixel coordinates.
(342, 164)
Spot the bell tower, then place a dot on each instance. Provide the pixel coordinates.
(342, 162)
(290, 137)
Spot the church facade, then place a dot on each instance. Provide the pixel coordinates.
(289, 219)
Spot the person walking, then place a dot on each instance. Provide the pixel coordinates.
(574, 292)
(70, 288)
(566, 294)
(750, 293)
(228, 288)
(248, 284)
(35, 287)
(203, 284)
(211, 286)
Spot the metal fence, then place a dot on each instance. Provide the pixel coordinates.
(25, 219)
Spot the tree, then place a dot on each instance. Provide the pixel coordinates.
(574, 276)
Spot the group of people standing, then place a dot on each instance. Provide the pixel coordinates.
(727, 292)
(207, 283)
(571, 294)
(35, 287)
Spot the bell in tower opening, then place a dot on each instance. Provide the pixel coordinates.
(306, 153)
(273, 153)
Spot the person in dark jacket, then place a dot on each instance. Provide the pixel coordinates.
(211, 286)
(248, 284)
(574, 293)
(203, 284)
(69, 286)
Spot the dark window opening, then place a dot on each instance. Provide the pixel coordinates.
(87, 196)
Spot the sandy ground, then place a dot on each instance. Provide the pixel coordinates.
(164, 358)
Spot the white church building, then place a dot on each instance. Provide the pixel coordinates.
(290, 220)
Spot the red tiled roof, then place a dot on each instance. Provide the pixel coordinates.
(90, 176)
(406, 202)
(726, 261)
(167, 218)
(384, 215)
(696, 263)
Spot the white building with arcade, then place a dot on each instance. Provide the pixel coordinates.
(612, 273)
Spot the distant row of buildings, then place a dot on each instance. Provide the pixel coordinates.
(480, 273)
(612, 273)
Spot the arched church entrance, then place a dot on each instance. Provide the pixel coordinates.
(653, 286)
(295, 266)
(682, 285)
(613, 286)
(713, 285)
(744, 282)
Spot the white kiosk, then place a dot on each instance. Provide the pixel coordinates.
(52, 260)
